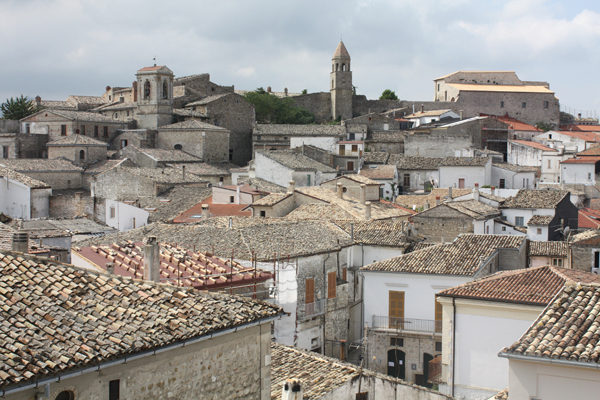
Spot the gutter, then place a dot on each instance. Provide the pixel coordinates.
(124, 360)
(552, 361)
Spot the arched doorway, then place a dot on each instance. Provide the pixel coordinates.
(426, 359)
(396, 363)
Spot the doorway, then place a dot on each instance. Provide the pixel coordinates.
(396, 363)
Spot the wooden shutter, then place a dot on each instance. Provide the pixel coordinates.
(309, 293)
(345, 274)
(331, 278)
(396, 313)
(438, 316)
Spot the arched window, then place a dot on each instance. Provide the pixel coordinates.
(147, 90)
(178, 147)
(82, 155)
(343, 67)
(337, 66)
(65, 395)
(165, 90)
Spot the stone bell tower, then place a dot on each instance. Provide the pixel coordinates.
(154, 97)
(341, 83)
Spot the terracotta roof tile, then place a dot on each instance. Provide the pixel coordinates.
(191, 124)
(295, 161)
(589, 218)
(535, 198)
(540, 220)
(541, 248)
(379, 172)
(77, 140)
(533, 144)
(375, 157)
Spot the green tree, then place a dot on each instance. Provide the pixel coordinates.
(388, 95)
(17, 108)
(271, 109)
(545, 126)
(304, 91)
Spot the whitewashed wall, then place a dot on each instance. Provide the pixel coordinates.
(126, 216)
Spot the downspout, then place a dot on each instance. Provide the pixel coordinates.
(453, 342)
(325, 297)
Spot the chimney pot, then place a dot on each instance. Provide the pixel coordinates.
(450, 192)
(205, 212)
(107, 88)
(291, 187)
(20, 242)
(461, 114)
(437, 200)
(292, 390)
(363, 193)
(152, 260)
(340, 190)
(422, 108)
(110, 268)
(368, 210)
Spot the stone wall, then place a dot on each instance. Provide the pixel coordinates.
(442, 223)
(208, 145)
(231, 366)
(48, 123)
(361, 105)
(317, 103)
(316, 154)
(582, 256)
(58, 179)
(73, 153)
(438, 145)
(9, 126)
(68, 204)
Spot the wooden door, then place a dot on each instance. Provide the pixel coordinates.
(309, 291)
(350, 166)
(396, 360)
(438, 316)
(331, 282)
(396, 307)
(461, 183)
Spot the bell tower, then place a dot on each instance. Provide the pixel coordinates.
(154, 97)
(341, 83)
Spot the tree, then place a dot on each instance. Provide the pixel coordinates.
(545, 126)
(17, 108)
(388, 95)
(304, 91)
(271, 109)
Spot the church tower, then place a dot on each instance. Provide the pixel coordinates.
(154, 97)
(341, 83)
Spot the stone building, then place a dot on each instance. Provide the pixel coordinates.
(133, 359)
(22, 196)
(457, 138)
(283, 136)
(58, 173)
(59, 123)
(341, 84)
(80, 150)
(154, 97)
(157, 158)
(282, 166)
(208, 142)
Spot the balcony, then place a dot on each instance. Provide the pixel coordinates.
(313, 309)
(435, 370)
(407, 324)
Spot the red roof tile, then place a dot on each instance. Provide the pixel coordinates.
(587, 136)
(589, 218)
(513, 123)
(216, 210)
(576, 127)
(533, 144)
(582, 160)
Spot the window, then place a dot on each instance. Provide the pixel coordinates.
(350, 165)
(345, 274)
(386, 127)
(27, 128)
(597, 259)
(65, 395)
(406, 181)
(503, 229)
(438, 87)
(549, 164)
(113, 390)
(438, 346)
(95, 131)
(112, 212)
(342, 150)
(362, 396)
(309, 291)
(557, 262)
(501, 104)
(4, 151)
(263, 213)
(502, 184)
(519, 221)
(105, 131)
(354, 147)
(147, 90)
(331, 282)
(165, 90)
(545, 104)
(82, 129)
(351, 136)
(446, 95)
(396, 341)
(539, 231)
(232, 199)
(589, 175)
(523, 105)
(116, 116)
(230, 154)
(220, 179)
(63, 130)
(128, 113)
(438, 316)
(124, 143)
(81, 155)
(396, 308)
(307, 180)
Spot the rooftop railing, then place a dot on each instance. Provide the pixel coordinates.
(407, 324)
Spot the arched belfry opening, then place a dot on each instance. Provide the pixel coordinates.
(147, 90)
(165, 90)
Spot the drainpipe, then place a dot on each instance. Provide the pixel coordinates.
(453, 342)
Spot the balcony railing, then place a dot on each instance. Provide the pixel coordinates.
(435, 370)
(407, 324)
(313, 309)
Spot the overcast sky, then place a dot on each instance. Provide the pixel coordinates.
(55, 48)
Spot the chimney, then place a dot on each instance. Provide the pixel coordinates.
(437, 200)
(134, 90)
(450, 192)
(368, 210)
(461, 114)
(292, 390)
(20, 242)
(340, 190)
(107, 88)
(426, 205)
(363, 193)
(183, 172)
(291, 187)
(230, 222)
(476, 192)
(205, 212)
(152, 260)
(579, 116)
(269, 89)
(237, 200)
(110, 268)
(38, 101)
(422, 108)
(285, 92)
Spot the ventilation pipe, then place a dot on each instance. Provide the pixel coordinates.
(205, 212)
(450, 192)
(340, 190)
(461, 114)
(291, 187)
(422, 108)
(110, 268)
(476, 192)
(152, 260)
(367, 210)
(363, 193)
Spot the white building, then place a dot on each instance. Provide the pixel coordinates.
(426, 117)
(387, 175)
(581, 140)
(511, 176)
(282, 166)
(465, 172)
(23, 197)
(580, 170)
(527, 153)
(125, 216)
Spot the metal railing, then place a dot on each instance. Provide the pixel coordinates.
(435, 370)
(309, 310)
(407, 324)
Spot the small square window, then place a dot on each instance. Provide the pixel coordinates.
(263, 213)
(231, 199)
(397, 342)
(519, 221)
(501, 104)
(545, 104)
(503, 229)
(438, 346)
(539, 231)
(523, 105)
(114, 390)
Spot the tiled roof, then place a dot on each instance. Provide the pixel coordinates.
(170, 203)
(189, 113)
(268, 238)
(540, 220)
(462, 257)
(77, 140)
(422, 245)
(431, 113)
(416, 199)
(377, 233)
(592, 151)
(166, 155)
(468, 87)
(589, 218)
(319, 211)
(321, 375)
(535, 145)
(587, 136)
(206, 169)
(295, 161)
(490, 196)
(387, 136)
(515, 168)
(566, 330)
(162, 175)
(553, 248)
(24, 179)
(117, 106)
(473, 208)
(272, 199)
(582, 160)
(194, 214)
(39, 165)
(359, 178)
(57, 105)
(340, 51)
(379, 209)
(6, 238)
(192, 124)
(99, 167)
(590, 236)
(414, 162)
(535, 198)
(514, 123)
(380, 172)
(580, 127)
(59, 318)
(261, 184)
(375, 157)
(299, 130)
(178, 266)
(84, 116)
(86, 99)
(502, 395)
(207, 100)
(464, 161)
(536, 286)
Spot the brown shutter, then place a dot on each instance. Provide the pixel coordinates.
(345, 274)
(309, 294)
(396, 313)
(438, 316)
(331, 281)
